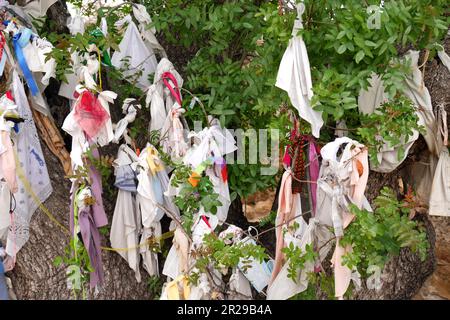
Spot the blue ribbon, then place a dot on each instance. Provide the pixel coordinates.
(158, 193)
(2, 61)
(20, 40)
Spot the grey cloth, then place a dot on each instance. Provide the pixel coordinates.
(125, 178)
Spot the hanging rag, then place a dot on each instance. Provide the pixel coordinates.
(90, 115)
(31, 160)
(126, 225)
(35, 53)
(370, 100)
(20, 40)
(141, 58)
(148, 34)
(214, 141)
(285, 205)
(177, 260)
(89, 233)
(283, 287)
(173, 133)
(294, 76)
(129, 108)
(342, 181)
(106, 133)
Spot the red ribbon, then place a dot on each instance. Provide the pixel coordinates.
(175, 91)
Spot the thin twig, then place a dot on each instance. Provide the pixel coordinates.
(286, 222)
(174, 218)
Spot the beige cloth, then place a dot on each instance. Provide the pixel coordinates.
(420, 96)
(440, 190)
(368, 102)
(285, 208)
(340, 184)
(125, 226)
(294, 76)
(38, 8)
(177, 260)
(283, 287)
(415, 90)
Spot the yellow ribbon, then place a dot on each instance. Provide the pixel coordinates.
(29, 189)
(153, 160)
(173, 291)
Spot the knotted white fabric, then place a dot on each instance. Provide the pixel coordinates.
(341, 182)
(36, 54)
(129, 108)
(159, 98)
(294, 76)
(158, 113)
(106, 134)
(132, 48)
(7, 160)
(152, 182)
(173, 139)
(213, 141)
(144, 19)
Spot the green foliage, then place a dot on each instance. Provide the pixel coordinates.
(376, 237)
(78, 264)
(103, 165)
(192, 197)
(394, 122)
(297, 258)
(352, 50)
(239, 46)
(234, 73)
(269, 219)
(221, 255)
(155, 285)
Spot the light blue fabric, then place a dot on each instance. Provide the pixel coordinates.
(158, 192)
(3, 288)
(2, 62)
(20, 40)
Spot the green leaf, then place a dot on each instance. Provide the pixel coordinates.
(341, 49)
(359, 56)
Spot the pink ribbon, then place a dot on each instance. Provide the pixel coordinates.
(175, 91)
(313, 174)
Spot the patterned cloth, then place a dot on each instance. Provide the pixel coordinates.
(32, 162)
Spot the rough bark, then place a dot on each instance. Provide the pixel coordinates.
(35, 276)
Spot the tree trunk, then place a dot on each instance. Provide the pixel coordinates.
(405, 275)
(35, 276)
